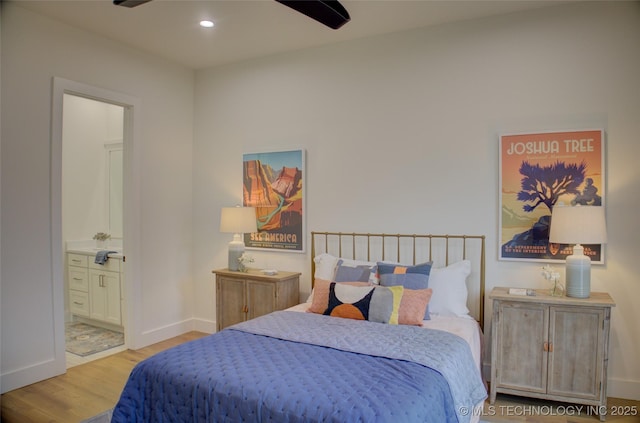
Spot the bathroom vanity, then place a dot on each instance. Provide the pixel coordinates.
(95, 290)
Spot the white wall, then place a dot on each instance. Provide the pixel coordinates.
(401, 133)
(87, 126)
(34, 50)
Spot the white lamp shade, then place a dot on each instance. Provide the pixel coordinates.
(237, 220)
(578, 225)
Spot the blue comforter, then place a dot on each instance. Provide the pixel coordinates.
(302, 367)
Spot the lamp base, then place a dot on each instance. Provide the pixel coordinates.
(236, 249)
(578, 274)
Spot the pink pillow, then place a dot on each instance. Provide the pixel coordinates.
(413, 306)
(320, 300)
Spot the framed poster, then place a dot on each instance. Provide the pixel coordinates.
(273, 183)
(538, 171)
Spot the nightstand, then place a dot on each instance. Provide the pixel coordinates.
(553, 348)
(242, 296)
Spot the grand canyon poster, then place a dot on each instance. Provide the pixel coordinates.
(538, 171)
(273, 183)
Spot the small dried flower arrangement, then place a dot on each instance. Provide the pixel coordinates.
(101, 236)
(244, 259)
(551, 275)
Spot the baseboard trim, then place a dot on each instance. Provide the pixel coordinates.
(163, 333)
(204, 325)
(620, 388)
(31, 374)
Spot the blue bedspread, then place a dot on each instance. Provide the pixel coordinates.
(270, 369)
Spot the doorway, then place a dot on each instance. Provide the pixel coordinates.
(113, 213)
(92, 209)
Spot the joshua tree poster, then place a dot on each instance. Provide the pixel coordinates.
(537, 172)
(273, 183)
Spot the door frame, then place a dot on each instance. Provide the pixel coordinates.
(131, 208)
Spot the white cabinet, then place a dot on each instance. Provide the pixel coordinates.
(104, 296)
(94, 289)
(78, 278)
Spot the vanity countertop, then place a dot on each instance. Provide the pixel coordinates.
(88, 248)
(93, 251)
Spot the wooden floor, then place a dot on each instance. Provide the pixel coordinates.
(82, 392)
(91, 388)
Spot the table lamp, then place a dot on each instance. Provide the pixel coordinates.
(578, 225)
(237, 220)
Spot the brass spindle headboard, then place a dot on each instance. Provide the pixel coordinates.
(442, 250)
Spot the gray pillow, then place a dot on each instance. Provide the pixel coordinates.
(352, 273)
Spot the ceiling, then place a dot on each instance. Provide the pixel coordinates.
(246, 29)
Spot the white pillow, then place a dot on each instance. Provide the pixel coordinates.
(449, 286)
(325, 266)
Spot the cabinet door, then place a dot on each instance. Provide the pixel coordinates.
(521, 356)
(230, 302)
(104, 296)
(261, 298)
(576, 351)
(111, 282)
(97, 295)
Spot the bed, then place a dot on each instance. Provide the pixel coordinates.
(377, 352)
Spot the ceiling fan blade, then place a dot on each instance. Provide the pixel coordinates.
(129, 3)
(328, 12)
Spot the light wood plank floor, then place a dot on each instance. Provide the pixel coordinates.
(84, 391)
(91, 388)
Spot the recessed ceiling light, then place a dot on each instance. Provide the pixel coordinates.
(206, 24)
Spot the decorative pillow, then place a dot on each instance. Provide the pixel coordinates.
(320, 294)
(349, 272)
(373, 276)
(414, 306)
(374, 303)
(325, 266)
(449, 286)
(411, 277)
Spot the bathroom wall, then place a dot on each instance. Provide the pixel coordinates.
(87, 126)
